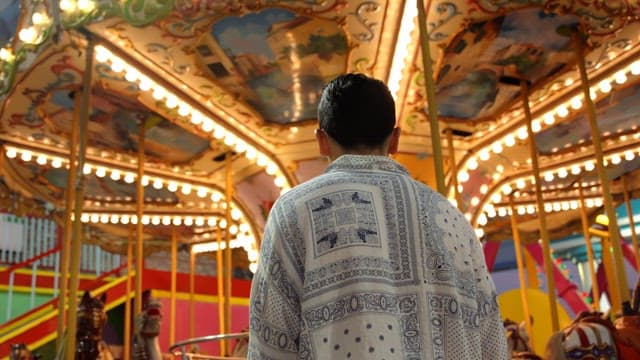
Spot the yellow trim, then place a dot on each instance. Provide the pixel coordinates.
(43, 340)
(201, 298)
(50, 273)
(19, 324)
(54, 312)
(27, 289)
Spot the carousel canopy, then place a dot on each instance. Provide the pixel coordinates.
(205, 99)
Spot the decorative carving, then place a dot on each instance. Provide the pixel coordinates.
(168, 58)
(362, 10)
(446, 11)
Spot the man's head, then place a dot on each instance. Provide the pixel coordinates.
(356, 115)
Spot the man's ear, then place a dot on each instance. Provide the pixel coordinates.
(323, 142)
(394, 140)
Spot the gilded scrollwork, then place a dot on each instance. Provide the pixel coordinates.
(360, 14)
(446, 12)
(168, 58)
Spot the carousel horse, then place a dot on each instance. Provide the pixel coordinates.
(20, 352)
(628, 327)
(147, 328)
(589, 336)
(91, 320)
(518, 341)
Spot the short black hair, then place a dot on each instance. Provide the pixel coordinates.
(357, 111)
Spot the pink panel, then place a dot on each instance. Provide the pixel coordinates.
(206, 323)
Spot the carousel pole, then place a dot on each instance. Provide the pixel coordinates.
(174, 276)
(454, 167)
(431, 99)
(622, 288)
(127, 298)
(632, 225)
(68, 223)
(220, 281)
(76, 238)
(542, 217)
(532, 274)
(137, 309)
(227, 249)
(192, 293)
(590, 257)
(523, 284)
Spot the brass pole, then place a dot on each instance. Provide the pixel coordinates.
(227, 249)
(174, 278)
(532, 275)
(431, 98)
(632, 225)
(454, 168)
(523, 284)
(65, 247)
(220, 281)
(590, 257)
(76, 238)
(621, 275)
(139, 226)
(127, 297)
(542, 216)
(192, 293)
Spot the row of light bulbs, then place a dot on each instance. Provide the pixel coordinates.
(575, 169)
(242, 233)
(614, 158)
(530, 209)
(240, 241)
(196, 117)
(548, 176)
(165, 220)
(115, 174)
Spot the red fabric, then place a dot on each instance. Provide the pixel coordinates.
(490, 253)
(564, 287)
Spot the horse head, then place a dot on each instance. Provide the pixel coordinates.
(589, 336)
(19, 352)
(628, 326)
(517, 337)
(148, 321)
(91, 316)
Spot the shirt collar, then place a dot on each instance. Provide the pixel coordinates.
(366, 162)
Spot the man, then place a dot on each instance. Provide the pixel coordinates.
(363, 262)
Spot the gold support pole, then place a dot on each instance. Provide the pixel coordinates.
(76, 239)
(618, 265)
(192, 293)
(523, 284)
(65, 247)
(542, 216)
(127, 298)
(220, 281)
(174, 281)
(227, 250)
(139, 225)
(454, 168)
(632, 225)
(532, 274)
(431, 98)
(590, 257)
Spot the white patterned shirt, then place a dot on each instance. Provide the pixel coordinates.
(363, 262)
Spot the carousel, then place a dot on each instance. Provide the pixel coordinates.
(143, 143)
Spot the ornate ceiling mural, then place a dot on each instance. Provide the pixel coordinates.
(275, 60)
(479, 66)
